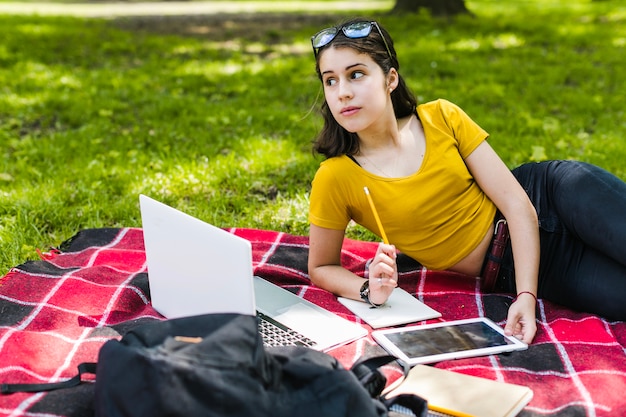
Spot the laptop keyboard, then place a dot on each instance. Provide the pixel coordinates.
(277, 334)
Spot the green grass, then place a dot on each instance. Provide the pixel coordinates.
(92, 114)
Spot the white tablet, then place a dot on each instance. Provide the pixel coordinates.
(430, 343)
(400, 308)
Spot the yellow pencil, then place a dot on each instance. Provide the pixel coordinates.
(380, 225)
(446, 412)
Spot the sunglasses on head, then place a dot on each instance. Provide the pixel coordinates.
(354, 30)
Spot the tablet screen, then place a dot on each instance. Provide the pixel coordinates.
(447, 339)
(443, 341)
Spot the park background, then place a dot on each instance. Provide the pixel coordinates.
(214, 113)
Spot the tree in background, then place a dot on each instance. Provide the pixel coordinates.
(436, 7)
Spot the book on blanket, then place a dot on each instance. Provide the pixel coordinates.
(400, 308)
(454, 394)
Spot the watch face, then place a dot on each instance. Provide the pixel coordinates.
(365, 291)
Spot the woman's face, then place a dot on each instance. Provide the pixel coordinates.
(356, 89)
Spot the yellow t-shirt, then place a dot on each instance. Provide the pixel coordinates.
(437, 215)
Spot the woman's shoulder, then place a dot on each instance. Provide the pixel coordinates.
(442, 112)
(339, 170)
(439, 105)
(336, 162)
(332, 167)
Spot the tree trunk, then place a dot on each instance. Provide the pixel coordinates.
(436, 7)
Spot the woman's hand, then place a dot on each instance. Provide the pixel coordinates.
(521, 318)
(383, 273)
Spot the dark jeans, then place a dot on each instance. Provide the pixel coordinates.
(582, 228)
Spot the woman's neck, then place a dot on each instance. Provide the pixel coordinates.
(396, 152)
(387, 137)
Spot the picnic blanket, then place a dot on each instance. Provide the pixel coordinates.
(56, 313)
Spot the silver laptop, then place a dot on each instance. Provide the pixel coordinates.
(196, 268)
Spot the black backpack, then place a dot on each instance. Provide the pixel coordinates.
(216, 365)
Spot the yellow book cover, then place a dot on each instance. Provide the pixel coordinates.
(460, 395)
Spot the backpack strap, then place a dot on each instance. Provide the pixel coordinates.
(407, 405)
(373, 380)
(83, 368)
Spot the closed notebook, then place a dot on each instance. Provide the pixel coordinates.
(455, 394)
(400, 308)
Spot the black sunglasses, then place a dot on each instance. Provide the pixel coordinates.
(351, 30)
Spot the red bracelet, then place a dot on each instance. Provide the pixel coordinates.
(525, 292)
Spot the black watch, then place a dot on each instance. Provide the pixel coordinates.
(364, 292)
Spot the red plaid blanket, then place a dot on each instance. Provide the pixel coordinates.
(55, 313)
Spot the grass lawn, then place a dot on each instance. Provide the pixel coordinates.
(215, 116)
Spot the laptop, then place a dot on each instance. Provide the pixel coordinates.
(195, 268)
(400, 308)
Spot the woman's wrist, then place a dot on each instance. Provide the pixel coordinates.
(365, 294)
(527, 293)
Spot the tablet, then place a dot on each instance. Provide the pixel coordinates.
(430, 343)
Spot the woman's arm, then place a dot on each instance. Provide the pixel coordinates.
(497, 181)
(326, 272)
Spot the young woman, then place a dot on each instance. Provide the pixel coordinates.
(442, 194)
